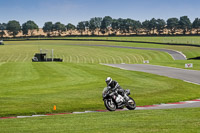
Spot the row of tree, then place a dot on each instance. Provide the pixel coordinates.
(104, 25)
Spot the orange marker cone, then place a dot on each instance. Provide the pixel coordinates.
(54, 107)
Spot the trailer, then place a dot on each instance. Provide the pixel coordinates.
(43, 57)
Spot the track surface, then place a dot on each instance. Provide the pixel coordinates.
(192, 76)
(185, 104)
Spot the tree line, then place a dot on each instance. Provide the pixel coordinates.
(105, 25)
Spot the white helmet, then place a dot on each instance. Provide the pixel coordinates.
(108, 80)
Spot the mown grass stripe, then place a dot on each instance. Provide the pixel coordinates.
(18, 57)
(70, 59)
(26, 57)
(9, 58)
(77, 59)
(99, 60)
(129, 61)
(120, 58)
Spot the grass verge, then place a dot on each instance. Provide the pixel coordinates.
(149, 121)
(33, 88)
(157, 39)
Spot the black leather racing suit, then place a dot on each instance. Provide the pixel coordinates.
(115, 86)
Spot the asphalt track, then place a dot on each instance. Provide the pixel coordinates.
(184, 104)
(192, 76)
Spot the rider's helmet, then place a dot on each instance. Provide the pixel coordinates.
(108, 80)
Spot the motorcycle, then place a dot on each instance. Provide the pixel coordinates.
(113, 100)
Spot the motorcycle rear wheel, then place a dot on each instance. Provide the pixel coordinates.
(131, 104)
(110, 105)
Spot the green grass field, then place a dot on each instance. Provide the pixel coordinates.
(32, 88)
(181, 40)
(77, 54)
(71, 53)
(142, 121)
(164, 39)
(76, 84)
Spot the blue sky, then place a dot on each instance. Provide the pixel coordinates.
(74, 11)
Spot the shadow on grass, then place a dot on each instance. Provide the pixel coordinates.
(195, 58)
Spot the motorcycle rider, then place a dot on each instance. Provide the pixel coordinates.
(114, 86)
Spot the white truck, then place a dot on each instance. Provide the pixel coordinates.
(1, 42)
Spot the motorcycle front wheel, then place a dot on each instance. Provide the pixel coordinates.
(110, 105)
(131, 105)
